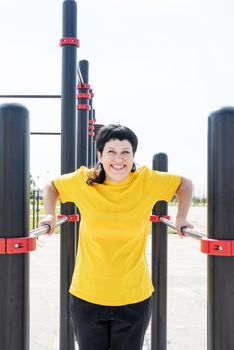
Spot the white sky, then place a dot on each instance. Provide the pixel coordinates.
(160, 67)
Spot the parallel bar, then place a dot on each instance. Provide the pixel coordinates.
(44, 229)
(45, 133)
(191, 233)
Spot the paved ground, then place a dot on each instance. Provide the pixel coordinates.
(186, 292)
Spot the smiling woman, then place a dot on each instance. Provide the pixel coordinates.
(111, 289)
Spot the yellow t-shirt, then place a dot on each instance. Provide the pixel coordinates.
(111, 267)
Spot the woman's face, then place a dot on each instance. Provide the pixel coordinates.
(117, 159)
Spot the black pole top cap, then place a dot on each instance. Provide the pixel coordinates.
(224, 111)
(12, 106)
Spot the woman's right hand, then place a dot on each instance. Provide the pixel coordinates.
(49, 220)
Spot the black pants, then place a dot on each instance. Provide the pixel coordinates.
(100, 327)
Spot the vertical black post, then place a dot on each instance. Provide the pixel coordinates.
(68, 164)
(91, 131)
(221, 226)
(97, 127)
(159, 268)
(14, 209)
(94, 139)
(83, 115)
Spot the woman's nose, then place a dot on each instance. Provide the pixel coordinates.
(118, 157)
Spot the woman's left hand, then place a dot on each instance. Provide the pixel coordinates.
(181, 223)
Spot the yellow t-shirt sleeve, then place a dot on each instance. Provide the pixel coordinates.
(69, 185)
(165, 184)
(64, 185)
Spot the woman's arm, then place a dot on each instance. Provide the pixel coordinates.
(184, 196)
(50, 198)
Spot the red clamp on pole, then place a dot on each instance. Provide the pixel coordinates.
(86, 107)
(17, 245)
(69, 41)
(83, 95)
(70, 218)
(217, 247)
(156, 218)
(83, 86)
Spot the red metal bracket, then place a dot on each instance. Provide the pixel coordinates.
(86, 107)
(83, 86)
(83, 95)
(17, 245)
(70, 218)
(217, 247)
(69, 41)
(156, 218)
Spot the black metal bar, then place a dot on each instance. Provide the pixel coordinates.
(43, 229)
(94, 139)
(80, 78)
(68, 164)
(159, 268)
(97, 127)
(30, 96)
(14, 208)
(221, 226)
(83, 117)
(190, 233)
(91, 131)
(45, 133)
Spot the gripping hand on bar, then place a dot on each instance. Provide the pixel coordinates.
(45, 228)
(184, 196)
(50, 222)
(186, 231)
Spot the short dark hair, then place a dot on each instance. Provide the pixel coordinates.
(115, 132)
(104, 135)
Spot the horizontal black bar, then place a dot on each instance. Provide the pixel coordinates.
(45, 133)
(30, 96)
